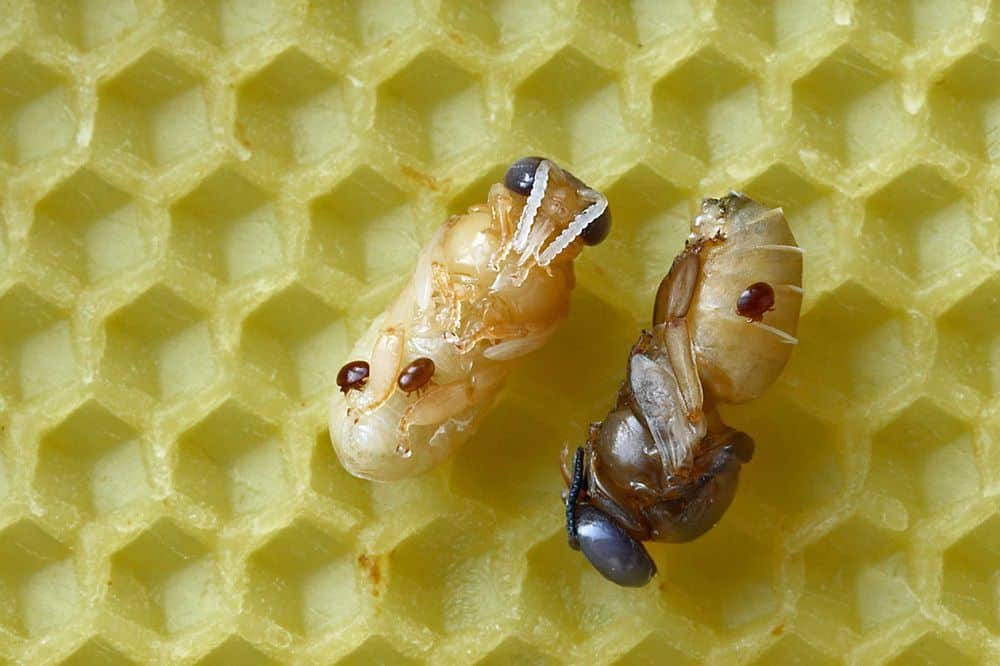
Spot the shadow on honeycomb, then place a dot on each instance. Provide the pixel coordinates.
(203, 202)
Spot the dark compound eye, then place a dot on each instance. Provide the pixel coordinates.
(755, 300)
(352, 376)
(599, 229)
(616, 555)
(415, 375)
(521, 175)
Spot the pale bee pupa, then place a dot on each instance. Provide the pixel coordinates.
(491, 286)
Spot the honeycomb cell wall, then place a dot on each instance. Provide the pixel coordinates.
(204, 202)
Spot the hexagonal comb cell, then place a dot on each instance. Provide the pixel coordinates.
(235, 650)
(92, 461)
(775, 22)
(88, 24)
(503, 23)
(791, 650)
(365, 227)
(561, 589)
(931, 650)
(498, 470)
(651, 215)
(708, 106)
(296, 341)
(871, 349)
(227, 227)
(640, 23)
(37, 581)
(328, 477)
(971, 567)
(654, 650)
(969, 347)
(857, 588)
(455, 550)
(432, 110)
(292, 112)
(204, 201)
(797, 467)
(515, 651)
(925, 458)
(36, 109)
(477, 191)
(89, 228)
(97, 652)
(371, 24)
(849, 109)
(914, 21)
(808, 207)
(304, 579)
(159, 344)
(693, 584)
(166, 580)
(921, 225)
(153, 111)
(36, 350)
(225, 23)
(376, 650)
(570, 108)
(233, 462)
(964, 105)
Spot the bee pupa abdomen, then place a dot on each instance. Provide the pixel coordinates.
(744, 244)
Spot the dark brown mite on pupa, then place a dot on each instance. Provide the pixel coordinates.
(352, 376)
(415, 375)
(755, 300)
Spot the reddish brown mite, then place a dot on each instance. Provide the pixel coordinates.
(416, 375)
(755, 300)
(352, 376)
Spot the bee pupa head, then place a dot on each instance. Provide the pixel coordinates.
(611, 550)
(558, 209)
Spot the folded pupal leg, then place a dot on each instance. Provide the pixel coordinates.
(384, 367)
(501, 209)
(517, 341)
(440, 402)
(663, 372)
(673, 298)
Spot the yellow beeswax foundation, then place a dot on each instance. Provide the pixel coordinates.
(203, 204)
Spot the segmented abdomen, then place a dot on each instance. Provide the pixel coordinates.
(738, 357)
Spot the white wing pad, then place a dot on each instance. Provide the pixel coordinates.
(661, 406)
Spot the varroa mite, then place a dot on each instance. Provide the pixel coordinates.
(489, 287)
(662, 466)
